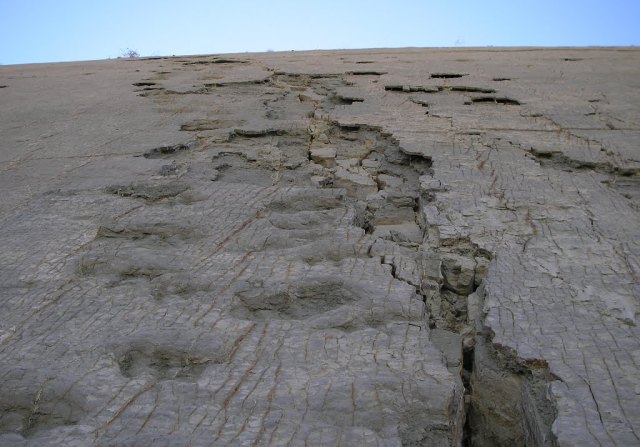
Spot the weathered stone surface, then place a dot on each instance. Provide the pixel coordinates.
(324, 156)
(358, 183)
(459, 273)
(440, 247)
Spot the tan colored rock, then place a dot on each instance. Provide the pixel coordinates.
(402, 233)
(358, 185)
(389, 181)
(349, 163)
(325, 156)
(370, 164)
(458, 273)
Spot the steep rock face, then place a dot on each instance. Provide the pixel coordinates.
(416, 247)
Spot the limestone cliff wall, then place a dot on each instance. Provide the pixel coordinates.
(381, 247)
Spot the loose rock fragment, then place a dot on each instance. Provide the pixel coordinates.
(325, 156)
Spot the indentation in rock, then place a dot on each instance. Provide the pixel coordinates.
(269, 156)
(257, 133)
(292, 144)
(501, 79)
(341, 100)
(204, 124)
(141, 231)
(161, 363)
(559, 160)
(169, 169)
(237, 168)
(626, 181)
(323, 86)
(405, 234)
(132, 272)
(181, 285)
(135, 260)
(363, 159)
(430, 89)
(148, 192)
(250, 82)
(321, 252)
(306, 220)
(304, 76)
(420, 102)
(411, 89)
(303, 299)
(307, 200)
(216, 61)
(366, 73)
(448, 75)
(495, 100)
(352, 323)
(44, 409)
(144, 84)
(355, 141)
(467, 89)
(147, 92)
(162, 151)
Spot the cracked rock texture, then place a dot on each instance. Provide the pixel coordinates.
(391, 248)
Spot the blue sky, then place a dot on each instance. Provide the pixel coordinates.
(63, 30)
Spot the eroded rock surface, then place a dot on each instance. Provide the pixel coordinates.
(416, 247)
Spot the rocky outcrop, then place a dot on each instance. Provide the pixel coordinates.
(439, 250)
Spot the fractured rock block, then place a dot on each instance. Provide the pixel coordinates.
(450, 344)
(325, 156)
(407, 233)
(389, 181)
(357, 185)
(388, 214)
(482, 265)
(370, 164)
(431, 266)
(458, 273)
(348, 163)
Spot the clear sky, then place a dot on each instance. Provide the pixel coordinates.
(63, 30)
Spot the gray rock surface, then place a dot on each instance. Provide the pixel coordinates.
(398, 247)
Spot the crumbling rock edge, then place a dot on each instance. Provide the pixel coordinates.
(511, 399)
